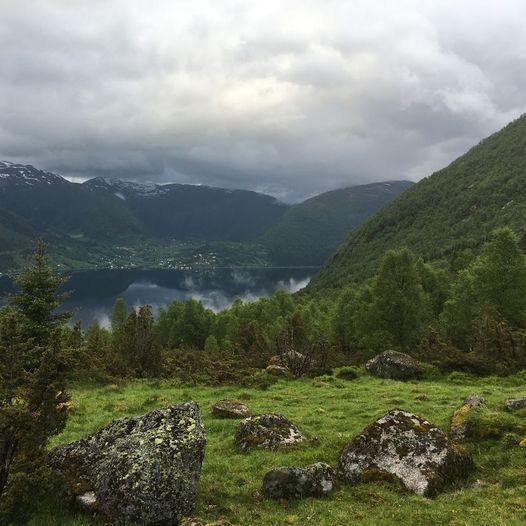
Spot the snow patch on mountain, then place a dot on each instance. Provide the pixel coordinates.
(21, 174)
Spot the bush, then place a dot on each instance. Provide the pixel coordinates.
(212, 368)
(348, 373)
(484, 424)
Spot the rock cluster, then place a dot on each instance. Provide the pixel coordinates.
(406, 449)
(143, 469)
(269, 431)
(395, 366)
(297, 483)
(230, 409)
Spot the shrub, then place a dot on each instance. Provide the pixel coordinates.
(348, 373)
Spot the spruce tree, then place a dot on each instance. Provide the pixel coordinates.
(33, 398)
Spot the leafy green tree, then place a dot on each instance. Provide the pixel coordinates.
(119, 315)
(140, 345)
(33, 398)
(167, 324)
(499, 277)
(345, 310)
(399, 306)
(494, 284)
(194, 324)
(211, 345)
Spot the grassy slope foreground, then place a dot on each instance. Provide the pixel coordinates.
(310, 231)
(453, 209)
(330, 412)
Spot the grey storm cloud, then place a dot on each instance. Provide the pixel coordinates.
(290, 98)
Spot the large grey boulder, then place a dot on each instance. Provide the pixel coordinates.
(395, 366)
(270, 431)
(515, 403)
(460, 418)
(230, 409)
(406, 449)
(141, 470)
(297, 483)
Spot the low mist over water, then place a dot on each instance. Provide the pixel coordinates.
(93, 293)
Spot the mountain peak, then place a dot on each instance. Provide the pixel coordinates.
(26, 174)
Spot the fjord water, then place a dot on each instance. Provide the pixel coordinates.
(94, 292)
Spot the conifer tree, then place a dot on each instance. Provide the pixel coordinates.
(32, 395)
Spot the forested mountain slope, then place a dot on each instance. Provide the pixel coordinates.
(310, 231)
(185, 212)
(452, 210)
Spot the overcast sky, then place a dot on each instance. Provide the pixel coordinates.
(290, 97)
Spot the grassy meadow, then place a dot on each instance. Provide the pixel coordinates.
(331, 412)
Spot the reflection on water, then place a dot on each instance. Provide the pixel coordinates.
(93, 293)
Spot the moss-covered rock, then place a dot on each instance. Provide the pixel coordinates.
(460, 418)
(297, 483)
(395, 366)
(230, 409)
(270, 431)
(406, 448)
(515, 403)
(141, 470)
(277, 370)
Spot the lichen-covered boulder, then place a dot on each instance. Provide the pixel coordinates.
(230, 409)
(459, 420)
(297, 483)
(395, 366)
(142, 469)
(407, 449)
(513, 404)
(270, 431)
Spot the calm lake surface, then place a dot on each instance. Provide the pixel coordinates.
(94, 292)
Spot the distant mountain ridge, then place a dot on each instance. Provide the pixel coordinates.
(52, 204)
(193, 211)
(172, 224)
(443, 216)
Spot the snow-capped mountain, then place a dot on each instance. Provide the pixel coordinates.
(21, 174)
(122, 188)
(104, 208)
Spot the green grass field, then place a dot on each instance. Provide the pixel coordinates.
(331, 412)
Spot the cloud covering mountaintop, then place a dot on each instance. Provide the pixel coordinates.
(290, 98)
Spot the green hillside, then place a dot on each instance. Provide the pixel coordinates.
(310, 231)
(452, 210)
(15, 239)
